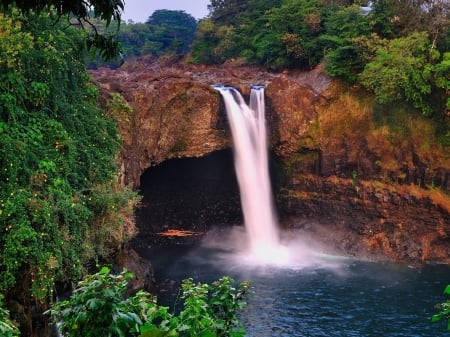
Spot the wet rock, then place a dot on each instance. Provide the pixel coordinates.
(142, 269)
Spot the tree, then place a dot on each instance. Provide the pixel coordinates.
(400, 18)
(344, 58)
(82, 11)
(134, 38)
(171, 31)
(227, 12)
(205, 43)
(402, 71)
(442, 77)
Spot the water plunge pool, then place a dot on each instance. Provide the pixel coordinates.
(326, 296)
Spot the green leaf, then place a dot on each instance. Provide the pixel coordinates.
(436, 318)
(447, 289)
(104, 271)
(207, 333)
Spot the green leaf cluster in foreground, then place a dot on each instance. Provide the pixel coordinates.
(98, 307)
(444, 310)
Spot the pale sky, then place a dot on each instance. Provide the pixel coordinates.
(140, 10)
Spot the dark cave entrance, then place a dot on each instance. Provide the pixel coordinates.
(189, 194)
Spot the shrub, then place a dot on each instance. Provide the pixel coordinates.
(444, 310)
(97, 307)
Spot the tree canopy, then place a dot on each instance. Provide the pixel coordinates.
(171, 31)
(59, 200)
(82, 12)
(394, 48)
(166, 32)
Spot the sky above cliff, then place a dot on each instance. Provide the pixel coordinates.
(140, 10)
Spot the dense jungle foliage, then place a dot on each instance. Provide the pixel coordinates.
(399, 50)
(60, 201)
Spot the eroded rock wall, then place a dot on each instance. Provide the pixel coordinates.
(334, 154)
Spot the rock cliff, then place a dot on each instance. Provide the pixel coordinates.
(370, 186)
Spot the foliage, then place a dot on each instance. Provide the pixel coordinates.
(135, 39)
(211, 310)
(442, 76)
(444, 310)
(237, 29)
(204, 46)
(97, 307)
(344, 60)
(171, 31)
(83, 12)
(7, 327)
(57, 156)
(227, 12)
(402, 71)
(165, 32)
(394, 48)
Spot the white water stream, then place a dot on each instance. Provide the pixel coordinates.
(248, 128)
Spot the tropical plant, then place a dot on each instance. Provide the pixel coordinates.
(402, 70)
(83, 12)
(98, 307)
(60, 202)
(7, 327)
(344, 58)
(444, 310)
(171, 31)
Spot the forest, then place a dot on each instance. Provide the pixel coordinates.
(396, 49)
(62, 207)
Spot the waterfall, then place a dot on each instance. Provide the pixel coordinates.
(248, 128)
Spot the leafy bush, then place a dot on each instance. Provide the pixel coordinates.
(444, 310)
(97, 307)
(60, 200)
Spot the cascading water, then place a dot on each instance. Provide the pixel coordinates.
(248, 128)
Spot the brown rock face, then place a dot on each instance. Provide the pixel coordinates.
(294, 106)
(171, 117)
(176, 112)
(369, 219)
(343, 166)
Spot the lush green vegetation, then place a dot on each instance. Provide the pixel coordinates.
(444, 310)
(397, 49)
(7, 327)
(60, 203)
(98, 307)
(166, 32)
(80, 13)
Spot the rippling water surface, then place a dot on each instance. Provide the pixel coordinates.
(317, 295)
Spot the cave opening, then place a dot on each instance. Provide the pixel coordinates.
(190, 194)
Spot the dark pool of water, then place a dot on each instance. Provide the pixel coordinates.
(331, 296)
